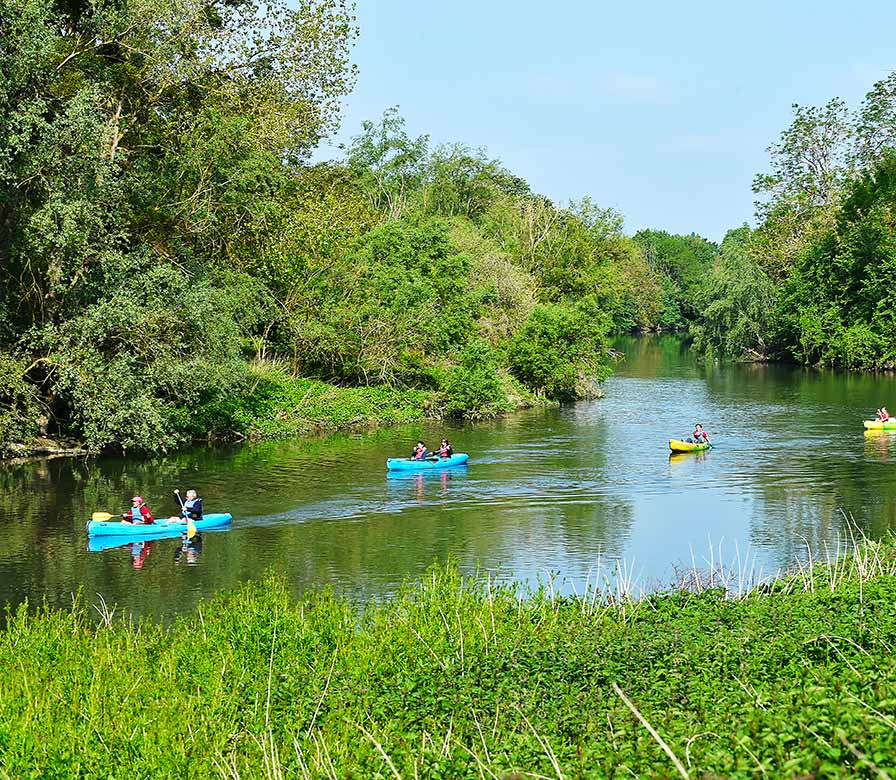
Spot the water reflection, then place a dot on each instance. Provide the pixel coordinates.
(189, 550)
(139, 552)
(878, 445)
(544, 491)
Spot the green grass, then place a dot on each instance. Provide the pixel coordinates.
(280, 406)
(455, 678)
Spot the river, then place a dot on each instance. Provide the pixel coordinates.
(560, 494)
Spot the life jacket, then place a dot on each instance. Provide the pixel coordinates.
(444, 451)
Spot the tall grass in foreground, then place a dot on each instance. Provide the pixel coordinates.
(457, 678)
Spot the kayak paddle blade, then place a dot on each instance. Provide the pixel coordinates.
(101, 517)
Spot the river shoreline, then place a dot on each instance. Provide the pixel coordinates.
(456, 677)
(313, 409)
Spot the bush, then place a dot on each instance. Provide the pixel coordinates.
(19, 403)
(561, 351)
(130, 368)
(473, 388)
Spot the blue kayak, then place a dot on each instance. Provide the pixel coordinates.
(154, 530)
(406, 464)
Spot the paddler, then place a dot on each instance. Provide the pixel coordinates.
(445, 449)
(419, 452)
(139, 513)
(699, 436)
(191, 509)
(882, 414)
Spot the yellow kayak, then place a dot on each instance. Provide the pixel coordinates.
(877, 425)
(686, 446)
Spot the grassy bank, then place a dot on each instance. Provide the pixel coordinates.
(280, 406)
(462, 679)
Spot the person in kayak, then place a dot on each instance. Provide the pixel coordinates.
(882, 414)
(139, 513)
(445, 449)
(191, 509)
(699, 436)
(419, 452)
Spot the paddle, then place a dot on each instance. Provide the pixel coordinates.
(191, 526)
(102, 517)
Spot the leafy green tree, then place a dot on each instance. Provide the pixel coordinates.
(389, 163)
(810, 167)
(383, 312)
(838, 304)
(683, 265)
(561, 351)
(141, 141)
(876, 124)
(463, 182)
(739, 303)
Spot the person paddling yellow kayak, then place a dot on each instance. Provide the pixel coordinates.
(698, 440)
(699, 436)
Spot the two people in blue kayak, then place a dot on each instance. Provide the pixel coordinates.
(141, 514)
(421, 453)
(699, 436)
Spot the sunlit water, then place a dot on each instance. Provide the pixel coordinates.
(556, 493)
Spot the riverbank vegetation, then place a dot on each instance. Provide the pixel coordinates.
(813, 283)
(459, 678)
(172, 265)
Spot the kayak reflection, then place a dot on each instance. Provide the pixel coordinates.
(678, 458)
(878, 444)
(189, 550)
(139, 552)
(435, 481)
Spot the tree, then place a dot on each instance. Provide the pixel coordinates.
(738, 303)
(139, 137)
(388, 162)
(876, 124)
(683, 265)
(809, 163)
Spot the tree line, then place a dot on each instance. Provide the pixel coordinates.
(814, 281)
(171, 262)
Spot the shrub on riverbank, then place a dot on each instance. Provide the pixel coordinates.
(465, 679)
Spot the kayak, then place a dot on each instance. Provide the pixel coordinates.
(157, 529)
(404, 464)
(877, 425)
(686, 446)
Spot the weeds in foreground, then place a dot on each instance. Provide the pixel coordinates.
(730, 675)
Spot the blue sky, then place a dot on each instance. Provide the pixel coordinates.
(660, 110)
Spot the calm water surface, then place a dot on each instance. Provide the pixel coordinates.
(545, 493)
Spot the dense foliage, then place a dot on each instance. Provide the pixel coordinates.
(682, 264)
(171, 264)
(465, 679)
(814, 281)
